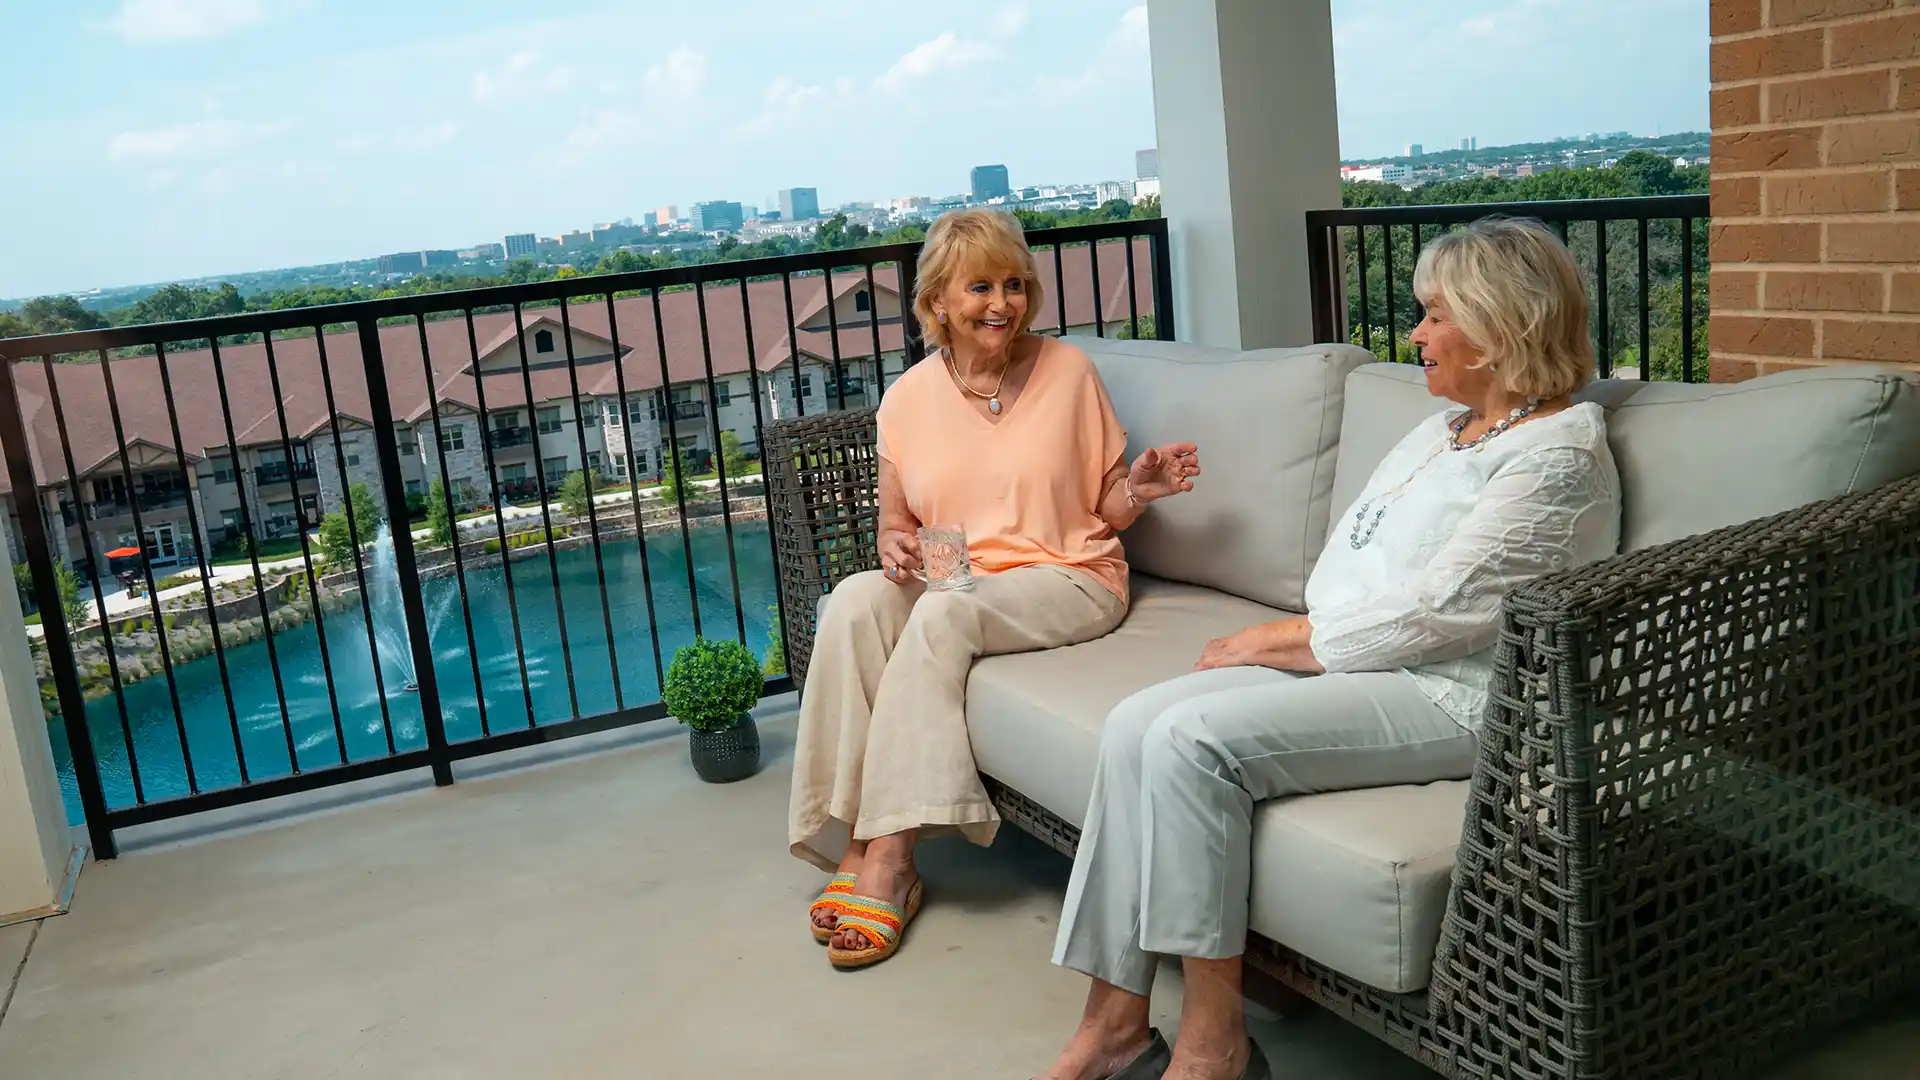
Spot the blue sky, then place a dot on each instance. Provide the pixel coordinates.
(157, 139)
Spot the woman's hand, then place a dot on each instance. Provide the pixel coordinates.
(1163, 471)
(899, 555)
(1284, 645)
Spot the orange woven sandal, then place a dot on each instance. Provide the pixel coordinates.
(880, 922)
(831, 897)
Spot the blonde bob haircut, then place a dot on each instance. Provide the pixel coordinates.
(1514, 290)
(972, 243)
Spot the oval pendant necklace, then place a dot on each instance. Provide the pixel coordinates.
(993, 399)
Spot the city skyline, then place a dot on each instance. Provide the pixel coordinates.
(209, 137)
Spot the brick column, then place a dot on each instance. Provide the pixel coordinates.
(1816, 184)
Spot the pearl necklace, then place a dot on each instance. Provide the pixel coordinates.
(993, 399)
(1357, 540)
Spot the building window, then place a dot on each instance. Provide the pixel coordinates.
(620, 466)
(555, 469)
(409, 448)
(543, 341)
(222, 474)
(593, 460)
(453, 437)
(806, 386)
(633, 409)
(413, 487)
(353, 460)
(640, 461)
(722, 393)
(549, 421)
(862, 302)
(590, 412)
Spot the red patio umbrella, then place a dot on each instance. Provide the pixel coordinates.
(118, 553)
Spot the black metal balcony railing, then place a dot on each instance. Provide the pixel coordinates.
(1645, 261)
(506, 438)
(279, 472)
(154, 501)
(471, 658)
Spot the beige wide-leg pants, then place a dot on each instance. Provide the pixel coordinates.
(883, 741)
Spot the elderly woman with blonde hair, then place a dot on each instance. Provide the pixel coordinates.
(1010, 437)
(1382, 682)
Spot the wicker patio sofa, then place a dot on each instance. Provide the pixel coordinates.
(1693, 835)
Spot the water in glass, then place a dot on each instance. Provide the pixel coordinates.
(943, 557)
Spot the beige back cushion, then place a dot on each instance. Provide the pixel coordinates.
(1692, 457)
(1267, 423)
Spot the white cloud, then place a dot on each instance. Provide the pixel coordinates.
(1011, 20)
(680, 77)
(397, 142)
(1120, 58)
(198, 138)
(787, 105)
(948, 52)
(167, 21)
(525, 74)
(604, 132)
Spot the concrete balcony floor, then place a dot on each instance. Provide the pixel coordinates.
(587, 910)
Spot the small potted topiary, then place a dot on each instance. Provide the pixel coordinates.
(711, 687)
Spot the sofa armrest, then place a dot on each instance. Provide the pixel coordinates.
(1693, 825)
(823, 507)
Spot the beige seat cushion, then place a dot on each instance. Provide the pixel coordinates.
(1356, 880)
(1268, 426)
(1692, 457)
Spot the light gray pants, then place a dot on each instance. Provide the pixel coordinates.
(1165, 859)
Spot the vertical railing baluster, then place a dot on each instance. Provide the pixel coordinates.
(679, 473)
(793, 347)
(426, 679)
(833, 340)
(760, 448)
(354, 537)
(1093, 268)
(204, 562)
(306, 549)
(546, 512)
(911, 343)
(873, 321)
(719, 458)
(1366, 312)
(453, 520)
(253, 556)
(1646, 341)
(1419, 309)
(499, 514)
(633, 486)
(1393, 322)
(1133, 297)
(1060, 285)
(146, 570)
(1163, 324)
(1686, 299)
(35, 538)
(1601, 291)
(593, 514)
(96, 561)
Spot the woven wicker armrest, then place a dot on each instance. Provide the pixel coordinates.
(823, 507)
(1693, 832)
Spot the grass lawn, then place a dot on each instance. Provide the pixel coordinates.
(286, 547)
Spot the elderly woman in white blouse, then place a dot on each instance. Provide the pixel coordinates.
(1382, 682)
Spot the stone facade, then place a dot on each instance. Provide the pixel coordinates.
(1816, 184)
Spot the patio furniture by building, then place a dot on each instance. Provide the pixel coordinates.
(1689, 840)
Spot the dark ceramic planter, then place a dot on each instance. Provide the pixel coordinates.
(721, 757)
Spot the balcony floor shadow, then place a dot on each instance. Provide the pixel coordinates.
(597, 915)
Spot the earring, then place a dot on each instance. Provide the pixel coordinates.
(942, 316)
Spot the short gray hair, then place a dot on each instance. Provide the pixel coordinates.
(1515, 291)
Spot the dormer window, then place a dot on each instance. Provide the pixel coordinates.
(543, 341)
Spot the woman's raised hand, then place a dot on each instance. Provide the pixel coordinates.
(1163, 471)
(899, 554)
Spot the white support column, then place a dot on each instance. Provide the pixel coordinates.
(1249, 141)
(36, 847)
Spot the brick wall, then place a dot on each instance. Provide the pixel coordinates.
(1816, 184)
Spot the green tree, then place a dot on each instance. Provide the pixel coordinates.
(832, 233)
(776, 661)
(72, 606)
(733, 457)
(1146, 331)
(23, 584)
(59, 314)
(673, 474)
(440, 526)
(12, 326)
(1148, 207)
(337, 536)
(577, 491)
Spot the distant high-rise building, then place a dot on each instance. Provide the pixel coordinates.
(1109, 190)
(1415, 149)
(649, 219)
(405, 262)
(718, 216)
(990, 182)
(519, 244)
(1474, 143)
(1146, 164)
(666, 215)
(1466, 144)
(439, 258)
(799, 204)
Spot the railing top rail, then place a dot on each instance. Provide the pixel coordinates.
(593, 285)
(1625, 209)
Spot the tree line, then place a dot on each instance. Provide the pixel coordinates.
(178, 303)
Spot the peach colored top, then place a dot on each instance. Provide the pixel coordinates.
(1027, 488)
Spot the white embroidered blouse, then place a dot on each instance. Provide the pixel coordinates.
(1460, 530)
